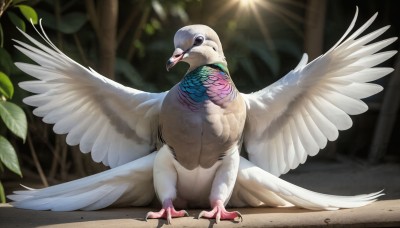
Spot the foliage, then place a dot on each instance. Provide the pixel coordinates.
(15, 120)
(12, 116)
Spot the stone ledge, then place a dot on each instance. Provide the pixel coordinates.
(379, 214)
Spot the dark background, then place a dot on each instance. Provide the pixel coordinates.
(130, 41)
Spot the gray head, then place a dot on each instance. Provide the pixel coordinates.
(196, 45)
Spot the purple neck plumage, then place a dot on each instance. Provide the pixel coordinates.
(206, 83)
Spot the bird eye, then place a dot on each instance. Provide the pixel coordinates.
(198, 40)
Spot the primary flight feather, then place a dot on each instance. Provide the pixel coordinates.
(183, 145)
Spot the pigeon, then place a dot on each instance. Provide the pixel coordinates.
(184, 145)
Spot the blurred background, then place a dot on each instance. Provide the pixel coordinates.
(130, 42)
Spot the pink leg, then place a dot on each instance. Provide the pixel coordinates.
(219, 212)
(167, 212)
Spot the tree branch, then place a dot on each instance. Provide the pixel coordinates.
(108, 17)
(314, 28)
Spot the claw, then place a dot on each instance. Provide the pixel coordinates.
(167, 212)
(219, 212)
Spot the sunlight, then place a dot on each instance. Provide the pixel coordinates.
(254, 6)
(246, 4)
(256, 9)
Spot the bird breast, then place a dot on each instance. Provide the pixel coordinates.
(202, 136)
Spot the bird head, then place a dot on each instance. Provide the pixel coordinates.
(196, 45)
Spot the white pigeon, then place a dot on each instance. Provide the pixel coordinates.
(184, 144)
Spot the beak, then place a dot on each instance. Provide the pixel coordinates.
(175, 58)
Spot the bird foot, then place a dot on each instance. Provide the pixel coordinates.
(220, 213)
(167, 212)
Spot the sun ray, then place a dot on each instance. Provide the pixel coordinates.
(288, 17)
(261, 25)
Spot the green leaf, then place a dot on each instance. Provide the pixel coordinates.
(14, 118)
(2, 194)
(6, 87)
(17, 21)
(6, 63)
(29, 13)
(149, 29)
(8, 156)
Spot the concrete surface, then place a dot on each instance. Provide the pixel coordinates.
(379, 214)
(331, 177)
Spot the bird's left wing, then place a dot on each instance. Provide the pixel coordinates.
(117, 124)
(295, 116)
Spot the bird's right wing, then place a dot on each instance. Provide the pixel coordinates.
(116, 123)
(128, 184)
(256, 187)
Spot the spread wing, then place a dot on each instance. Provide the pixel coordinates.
(295, 116)
(255, 187)
(116, 123)
(129, 184)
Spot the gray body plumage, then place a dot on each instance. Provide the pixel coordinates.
(201, 137)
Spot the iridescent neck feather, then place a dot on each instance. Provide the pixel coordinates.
(206, 83)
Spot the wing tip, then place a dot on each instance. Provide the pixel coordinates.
(302, 63)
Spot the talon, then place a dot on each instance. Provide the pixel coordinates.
(220, 213)
(201, 215)
(186, 214)
(239, 216)
(167, 212)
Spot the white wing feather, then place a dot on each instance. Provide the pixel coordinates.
(128, 184)
(256, 187)
(298, 114)
(116, 123)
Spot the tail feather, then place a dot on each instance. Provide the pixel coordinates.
(266, 183)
